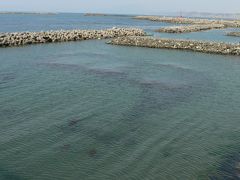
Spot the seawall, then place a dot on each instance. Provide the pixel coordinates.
(198, 46)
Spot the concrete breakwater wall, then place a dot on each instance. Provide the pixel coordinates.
(190, 28)
(24, 38)
(180, 20)
(199, 46)
(237, 34)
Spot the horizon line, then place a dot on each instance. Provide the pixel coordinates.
(97, 12)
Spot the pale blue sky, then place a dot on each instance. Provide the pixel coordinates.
(122, 6)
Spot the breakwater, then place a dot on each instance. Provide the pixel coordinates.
(198, 46)
(24, 38)
(190, 28)
(237, 34)
(95, 14)
(181, 20)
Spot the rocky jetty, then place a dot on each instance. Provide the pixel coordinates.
(24, 38)
(95, 14)
(198, 46)
(190, 28)
(237, 34)
(181, 20)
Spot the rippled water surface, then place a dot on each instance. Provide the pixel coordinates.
(88, 110)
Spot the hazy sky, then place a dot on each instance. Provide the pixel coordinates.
(121, 6)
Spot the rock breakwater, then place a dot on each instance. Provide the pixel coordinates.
(181, 20)
(190, 28)
(198, 46)
(95, 14)
(237, 34)
(25, 38)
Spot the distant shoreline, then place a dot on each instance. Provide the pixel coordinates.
(37, 13)
(173, 14)
(103, 14)
(95, 14)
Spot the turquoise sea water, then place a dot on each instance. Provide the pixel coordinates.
(88, 110)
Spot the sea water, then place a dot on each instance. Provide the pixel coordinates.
(90, 110)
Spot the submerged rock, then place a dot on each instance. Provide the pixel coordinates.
(199, 46)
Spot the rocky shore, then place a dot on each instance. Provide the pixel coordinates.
(181, 20)
(24, 38)
(237, 34)
(198, 46)
(190, 28)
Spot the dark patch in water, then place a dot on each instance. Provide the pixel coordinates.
(6, 174)
(109, 137)
(65, 147)
(96, 71)
(162, 85)
(7, 112)
(173, 66)
(94, 55)
(6, 77)
(229, 170)
(92, 152)
(158, 95)
(68, 55)
(106, 72)
(75, 121)
(166, 154)
(154, 96)
(64, 66)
